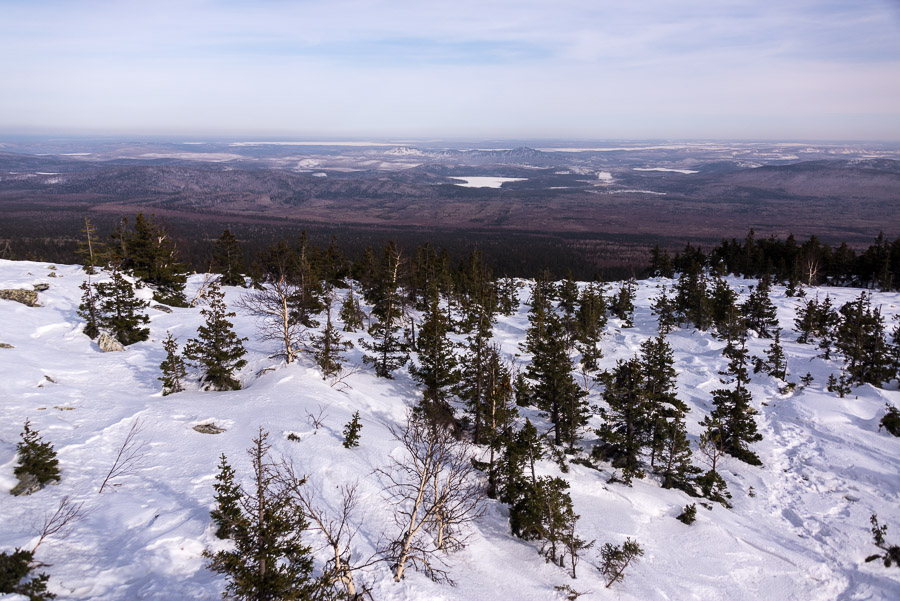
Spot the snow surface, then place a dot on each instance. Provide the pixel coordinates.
(802, 535)
(666, 170)
(486, 182)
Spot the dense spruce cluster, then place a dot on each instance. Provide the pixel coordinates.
(809, 263)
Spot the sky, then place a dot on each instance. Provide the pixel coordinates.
(567, 69)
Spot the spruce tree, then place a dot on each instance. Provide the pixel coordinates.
(724, 311)
(217, 351)
(507, 296)
(663, 306)
(35, 458)
(351, 432)
(435, 369)
(567, 292)
(860, 339)
(150, 255)
(351, 313)
(17, 576)
(712, 446)
(665, 410)
(516, 470)
(692, 305)
(89, 310)
(227, 514)
(120, 311)
(674, 456)
(328, 347)
(591, 319)
(497, 414)
(308, 300)
(623, 304)
(474, 379)
(387, 352)
(627, 429)
(172, 367)
(269, 561)
(776, 361)
(733, 413)
(545, 512)
(554, 390)
(759, 311)
(228, 260)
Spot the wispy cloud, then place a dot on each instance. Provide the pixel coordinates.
(730, 68)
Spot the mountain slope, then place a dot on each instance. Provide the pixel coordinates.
(802, 535)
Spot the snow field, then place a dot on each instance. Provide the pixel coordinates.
(802, 535)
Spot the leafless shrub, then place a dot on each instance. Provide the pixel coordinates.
(339, 531)
(206, 279)
(436, 493)
(59, 523)
(339, 382)
(130, 455)
(272, 306)
(317, 419)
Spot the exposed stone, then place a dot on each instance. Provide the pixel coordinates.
(27, 485)
(6, 345)
(52, 274)
(108, 344)
(162, 308)
(208, 429)
(26, 297)
(43, 286)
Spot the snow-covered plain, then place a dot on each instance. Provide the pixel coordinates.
(486, 182)
(803, 534)
(666, 170)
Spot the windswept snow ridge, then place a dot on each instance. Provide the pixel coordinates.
(799, 528)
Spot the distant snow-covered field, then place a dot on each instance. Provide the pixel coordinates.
(799, 528)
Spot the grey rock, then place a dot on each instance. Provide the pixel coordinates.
(26, 297)
(108, 344)
(208, 429)
(43, 286)
(6, 345)
(27, 484)
(162, 308)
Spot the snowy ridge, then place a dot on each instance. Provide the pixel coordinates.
(802, 536)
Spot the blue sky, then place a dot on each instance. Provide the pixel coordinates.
(738, 69)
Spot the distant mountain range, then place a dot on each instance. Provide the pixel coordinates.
(668, 193)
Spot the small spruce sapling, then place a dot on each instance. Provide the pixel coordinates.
(36, 458)
(839, 385)
(351, 432)
(173, 369)
(891, 555)
(227, 513)
(689, 515)
(615, 558)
